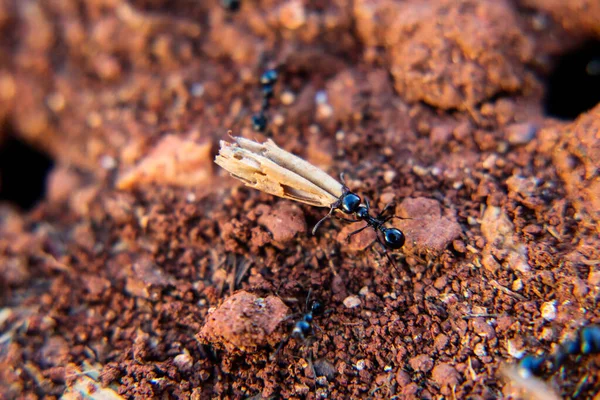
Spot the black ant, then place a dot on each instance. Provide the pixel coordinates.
(350, 203)
(267, 80)
(586, 342)
(303, 327)
(231, 5)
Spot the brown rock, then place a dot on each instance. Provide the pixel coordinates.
(284, 221)
(577, 16)
(445, 375)
(443, 54)
(577, 159)
(244, 321)
(61, 183)
(522, 133)
(146, 274)
(422, 363)
(482, 328)
(427, 231)
(358, 242)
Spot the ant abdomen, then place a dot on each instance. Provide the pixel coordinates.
(393, 238)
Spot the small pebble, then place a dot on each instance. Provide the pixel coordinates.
(513, 350)
(480, 350)
(197, 90)
(517, 285)
(287, 98)
(548, 311)
(422, 363)
(352, 301)
(321, 381)
(324, 111)
(388, 176)
(108, 162)
(183, 362)
(321, 97)
(547, 334)
(445, 375)
(489, 162)
(360, 365)
(518, 134)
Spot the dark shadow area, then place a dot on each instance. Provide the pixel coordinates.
(573, 87)
(23, 172)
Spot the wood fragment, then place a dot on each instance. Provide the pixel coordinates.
(269, 168)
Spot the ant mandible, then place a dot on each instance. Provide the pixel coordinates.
(350, 203)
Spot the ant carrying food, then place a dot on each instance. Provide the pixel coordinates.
(586, 342)
(350, 203)
(303, 327)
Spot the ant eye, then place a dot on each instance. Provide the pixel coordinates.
(394, 238)
(350, 203)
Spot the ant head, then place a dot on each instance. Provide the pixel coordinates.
(269, 77)
(393, 238)
(316, 308)
(259, 122)
(350, 202)
(590, 340)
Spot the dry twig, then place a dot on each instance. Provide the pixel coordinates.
(269, 168)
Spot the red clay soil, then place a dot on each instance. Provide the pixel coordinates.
(147, 269)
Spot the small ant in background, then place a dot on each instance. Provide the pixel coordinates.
(586, 342)
(231, 5)
(303, 327)
(267, 81)
(350, 204)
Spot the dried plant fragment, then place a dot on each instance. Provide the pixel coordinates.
(269, 168)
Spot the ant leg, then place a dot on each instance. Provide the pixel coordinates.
(367, 204)
(398, 217)
(386, 208)
(356, 231)
(387, 254)
(307, 299)
(346, 219)
(283, 342)
(333, 207)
